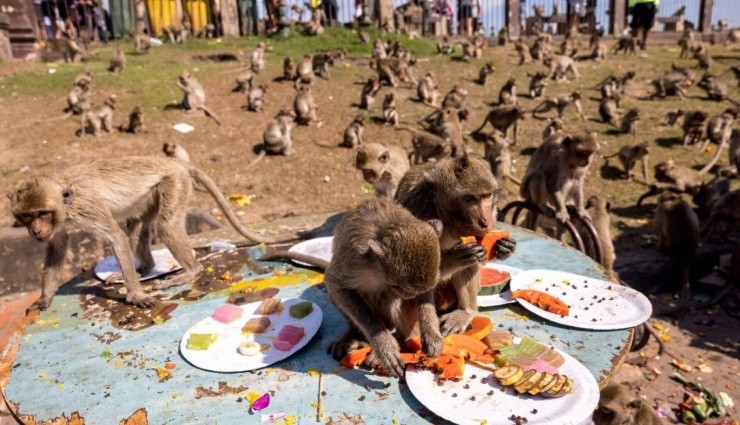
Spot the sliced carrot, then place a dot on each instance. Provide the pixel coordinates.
(542, 300)
(480, 327)
(488, 241)
(355, 357)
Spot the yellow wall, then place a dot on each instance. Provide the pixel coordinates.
(164, 12)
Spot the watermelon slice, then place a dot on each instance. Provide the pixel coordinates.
(493, 281)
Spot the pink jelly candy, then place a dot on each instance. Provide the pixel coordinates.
(227, 313)
(282, 345)
(291, 333)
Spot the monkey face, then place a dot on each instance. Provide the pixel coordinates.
(40, 224)
(369, 175)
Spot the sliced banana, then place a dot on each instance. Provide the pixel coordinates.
(508, 375)
(534, 382)
(529, 380)
(542, 383)
(249, 348)
(559, 384)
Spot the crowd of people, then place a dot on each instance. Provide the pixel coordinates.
(71, 18)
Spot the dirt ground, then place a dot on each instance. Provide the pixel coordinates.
(322, 180)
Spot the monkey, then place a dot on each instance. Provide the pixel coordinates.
(523, 50)
(672, 84)
(672, 116)
(256, 98)
(118, 61)
(98, 117)
(85, 77)
(502, 118)
(507, 94)
(719, 128)
(498, 155)
(364, 36)
(470, 50)
(70, 50)
(614, 83)
(540, 48)
(135, 122)
(555, 126)
(600, 51)
(537, 84)
(369, 91)
(78, 101)
(629, 121)
(598, 209)
(304, 106)
(427, 89)
(723, 218)
(559, 65)
(142, 42)
(175, 150)
(733, 169)
(557, 171)
(629, 155)
(447, 125)
(289, 71)
(97, 196)
(709, 193)
(455, 98)
(276, 139)
(625, 44)
(175, 33)
(390, 112)
(503, 36)
(257, 58)
(244, 82)
(570, 44)
(715, 89)
(462, 193)
(379, 51)
(674, 178)
(609, 109)
(194, 97)
(320, 63)
(389, 67)
(485, 72)
(304, 71)
(618, 407)
(693, 127)
(353, 133)
(560, 103)
(382, 167)
(444, 47)
(314, 27)
(703, 60)
(735, 69)
(686, 43)
(427, 146)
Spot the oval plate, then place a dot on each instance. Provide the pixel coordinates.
(503, 297)
(318, 247)
(164, 263)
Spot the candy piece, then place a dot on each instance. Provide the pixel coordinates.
(301, 310)
(201, 341)
(268, 306)
(257, 325)
(227, 313)
(249, 348)
(282, 345)
(291, 333)
(493, 281)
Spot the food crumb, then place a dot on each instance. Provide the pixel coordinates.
(362, 398)
(534, 411)
(454, 394)
(466, 386)
(472, 398)
(490, 392)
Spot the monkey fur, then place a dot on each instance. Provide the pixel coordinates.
(383, 167)
(502, 118)
(98, 117)
(175, 150)
(629, 155)
(618, 407)
(118, 61)
(135, 123)
(498, 155)
(194, 97)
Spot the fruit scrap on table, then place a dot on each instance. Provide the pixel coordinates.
(488, 241)
(542, 300)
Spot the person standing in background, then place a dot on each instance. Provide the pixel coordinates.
(643, 17)
(465, 17)
(330, 12)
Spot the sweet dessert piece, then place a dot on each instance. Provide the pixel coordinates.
(301, 310)
(249, 348)
(201, 341)
(227, 313)
(288, 337)
(493, 281)
(268, 306)
(256, 325)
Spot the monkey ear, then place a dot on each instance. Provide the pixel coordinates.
(384, 157)
(376, 248)
(68, 194)
(436, 225)
(461, 164)
(10, 195)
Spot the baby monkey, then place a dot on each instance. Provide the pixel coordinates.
(175, 150)
(485, 72)
(427, 89)
(98, 117)
(353, 133)
(369, 91)
(390, 112)
(383, 167)
(135, 122)
(256, 98)
(629, 155)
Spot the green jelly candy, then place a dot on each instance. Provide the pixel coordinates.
(301, 310)
(201, 341)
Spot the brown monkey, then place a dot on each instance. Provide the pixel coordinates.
(85, 77)
(716, 90)
(97, 196)
(675, 178)
(523, 50)
(598, 210)
(618, 407)
(369, 91)
(427, 89)
(70, 50)
(672, 84)
(555, 126)
(693, 127)
(507, 94)
(382, 167)
(257, 58)
(719, 128)
(142, 42)
(498, 155)
(537, 84)
(256, 98)
(364, 36)
(118, 61)
(379, 51)
(625, 44)
(98, 117)
(135, 121)
(485, 72)
(244, 82)
(557, 171)
(614, 83)
(277, 136)
(320, 63)
(541, 48)
(78, 101)
(629, 155)
(678, 233)
(462, 193)
(455, 98)
(672, 116)
(629, 121)
(704, 61)
(503, 36)
(444, 47)
(391, 67)
(176, 33)
(559, 66)
(304, 106)
(709, 193)
(289, 70)
(390, 112)
(723, 218)
(735, 69)
(194, 97)
(175, 150)
(609, 109)
(427, 146)
(686, 42)
(447, 125)
(304, 71)
(470, 50)
(502, 118)
(598, 53)
(560, 103)
(352, 137)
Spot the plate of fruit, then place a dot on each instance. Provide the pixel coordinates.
(494, 284)
(238, 338)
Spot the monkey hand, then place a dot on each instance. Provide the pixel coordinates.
(140, 299)
(562, 216)
(504, 248)
(455, 322)
(40, 304)
(584, 214)
(386, 355)
(432, 345)
(461, 256)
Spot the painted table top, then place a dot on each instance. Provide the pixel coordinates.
(73, 358)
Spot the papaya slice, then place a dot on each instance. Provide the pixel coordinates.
(471, 345)
(355, 357)
(411, 358)
(413, 344)
(452, 366)
(480, 327)
(542, 300)
(488, 241)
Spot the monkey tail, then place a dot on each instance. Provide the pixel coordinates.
(714, 159)
(59, 118)
(202, 179)
(314, 261)
(258, 159)
(210, 114)
(410, 130)
(514, 179)
(324, 145)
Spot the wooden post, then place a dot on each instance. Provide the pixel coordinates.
(513, 19)
(705, 16)
(617, 17)
(384, 12)
(230, 18)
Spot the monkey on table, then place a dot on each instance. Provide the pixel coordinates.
(383, 167)
(462, 194)
(99, 196)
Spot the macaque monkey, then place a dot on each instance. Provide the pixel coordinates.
(556, 174)
(693, 127)
(555, 126)
(369, 91)
(559, 65)
(629, 155)
(176, 33)
(629, 121)
(244, 82)
(391, 67)
(444, 47)
(672, 117)
(507, 94)
(135, 123)
(703, 60)
(523, 50)
(686, 42)
(379, 51)
(427, 146)
(314, 27)
(320, 63)
(447, 125)
(502, 118)
(498, 155)
(390, 112)
(598, 209)
(276, 139)
(257, 58)
(427, 89)
(609, 109)
(289, 71)
(674, 178)
(84, 77)
(98, 117)
(382, 167)
(709, 193)
(723, 218)
(175, 150)
(70, 50)
(102, 195)
(470, 50)
(735, 69)
(672, 84)
(599, 52)
(142, 42)
(541, 48)
(208, 31)
(537, 84)
(118, 61)
(304, 72)
(304, 106)
(618, 407)
(614, 83)
(559, 104)
(625, 44)
(486, 71)
(352, 137)
(503, 36)
(194, 97)
(364, 36)
(455, 98)
(256, 98)
(462, 193)
(78, 101)
(716, 90)
(678, 233)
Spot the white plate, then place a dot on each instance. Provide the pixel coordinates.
(496, 408)
(164, 263)
(318, 248)
(503, 297)
(222, 355)
(593, 303)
